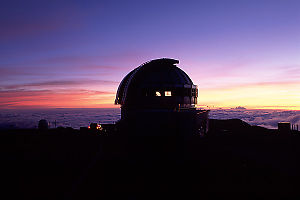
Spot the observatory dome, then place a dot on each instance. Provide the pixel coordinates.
(157, 84)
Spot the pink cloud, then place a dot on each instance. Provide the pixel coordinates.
(253, 84)
(51, 98)
(42, 19)
(14, 29)
(65, 83)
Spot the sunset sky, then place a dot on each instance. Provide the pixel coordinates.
(73, 54)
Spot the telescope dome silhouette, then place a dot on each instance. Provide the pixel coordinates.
(158, 98)
(157, 84)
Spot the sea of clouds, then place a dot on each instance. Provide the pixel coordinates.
(76, 118)
(264, 118)
(64, 117)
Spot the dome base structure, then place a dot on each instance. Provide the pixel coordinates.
(158, 98)
(148, 122)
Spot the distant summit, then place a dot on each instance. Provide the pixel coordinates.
(239, 108)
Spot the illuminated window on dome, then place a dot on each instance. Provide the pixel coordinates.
(157, 93)
(168, 93)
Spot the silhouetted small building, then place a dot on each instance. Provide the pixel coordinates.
(284, 127)
(95, 126)
(43, 124)
(159, 98)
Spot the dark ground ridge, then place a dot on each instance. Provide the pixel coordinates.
(234, 159)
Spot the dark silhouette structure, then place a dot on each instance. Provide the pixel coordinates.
(158, 98)
(43, 124)
(284, 127)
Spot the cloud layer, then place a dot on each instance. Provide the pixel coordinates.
(265, 118)
(83, 117)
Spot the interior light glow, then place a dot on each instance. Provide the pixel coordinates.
(168, 93)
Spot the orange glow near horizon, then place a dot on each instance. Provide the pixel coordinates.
(45, 99)
(255, 96)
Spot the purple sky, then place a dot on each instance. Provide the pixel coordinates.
(74, 53)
